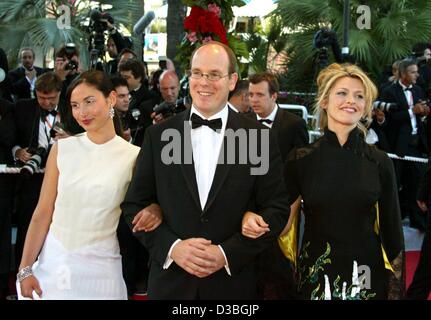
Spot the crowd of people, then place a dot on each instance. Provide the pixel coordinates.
(106, 207)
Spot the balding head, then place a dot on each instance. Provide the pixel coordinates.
(169, 86)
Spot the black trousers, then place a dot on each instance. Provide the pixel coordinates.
(7, 192)
(134, 258)
(421, 284)
(408, 177)
(28, 190)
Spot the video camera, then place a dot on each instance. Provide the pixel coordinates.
(35, 161)
(96, 28)
(168, 109)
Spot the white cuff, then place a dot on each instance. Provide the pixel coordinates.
(169, 260)
(14, 150)
(226, 266)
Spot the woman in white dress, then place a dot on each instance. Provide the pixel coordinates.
(74, 224)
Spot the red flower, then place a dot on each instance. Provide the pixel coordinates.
(205, 22)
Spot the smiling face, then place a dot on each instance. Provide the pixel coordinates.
(90, 107)
(345, 104)
(209, 97)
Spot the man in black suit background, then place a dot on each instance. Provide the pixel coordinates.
(35, 123)
(24, 77)
(406, 136)
(291, 130)
(198, 251)
(142, 99)
(276, 278)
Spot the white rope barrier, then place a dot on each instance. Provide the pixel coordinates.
(407, 158)
(16, 170)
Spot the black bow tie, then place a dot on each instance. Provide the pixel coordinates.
(198, 121)
(408, 89)
(45, 113)
(268, 121)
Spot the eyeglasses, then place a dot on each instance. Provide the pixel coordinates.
(212, 76)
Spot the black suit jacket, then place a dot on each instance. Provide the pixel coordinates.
(291, 130)
(7, 131)
(20, 86)
(233, 192)
(398, 128)
(143, 100)
(27, 118)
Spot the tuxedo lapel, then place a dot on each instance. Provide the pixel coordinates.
(278, 119)
(401, 96)
(188, 169)
(222, 168)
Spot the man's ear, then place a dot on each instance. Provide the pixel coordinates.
(232, 81)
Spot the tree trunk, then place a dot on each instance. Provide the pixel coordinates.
(174, 28)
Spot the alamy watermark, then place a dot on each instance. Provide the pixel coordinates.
(241, 146)
(64, 20)
(364, 20)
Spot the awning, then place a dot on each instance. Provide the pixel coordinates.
(255, 8)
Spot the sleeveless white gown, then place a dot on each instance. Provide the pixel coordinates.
(80, 258)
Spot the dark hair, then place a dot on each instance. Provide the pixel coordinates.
(119, 82)
(62, 52)
(102, 83)
(240, 87)
(48, 82)
(232, 65)
(26, 49)
(271, 79)
(404, 64)
(127, 50)
(136, 67)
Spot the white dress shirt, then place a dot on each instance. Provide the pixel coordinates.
(44, 139)
(270, 117)
(206, 145)
(409, 97)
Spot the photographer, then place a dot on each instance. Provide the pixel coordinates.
(169, 85)
(142, 100)
(67, 66)
(115, 44)
(36, 121)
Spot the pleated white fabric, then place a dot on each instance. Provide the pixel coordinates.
(80, 258)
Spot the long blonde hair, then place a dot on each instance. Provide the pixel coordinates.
(326, 80)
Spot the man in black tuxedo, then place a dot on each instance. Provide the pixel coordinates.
(142, 99)
(276, 280)
(24, 77)
(36, 131)
(406, 136)
(238, 98)
(198, 251)
(291, 130)
(7, 191)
